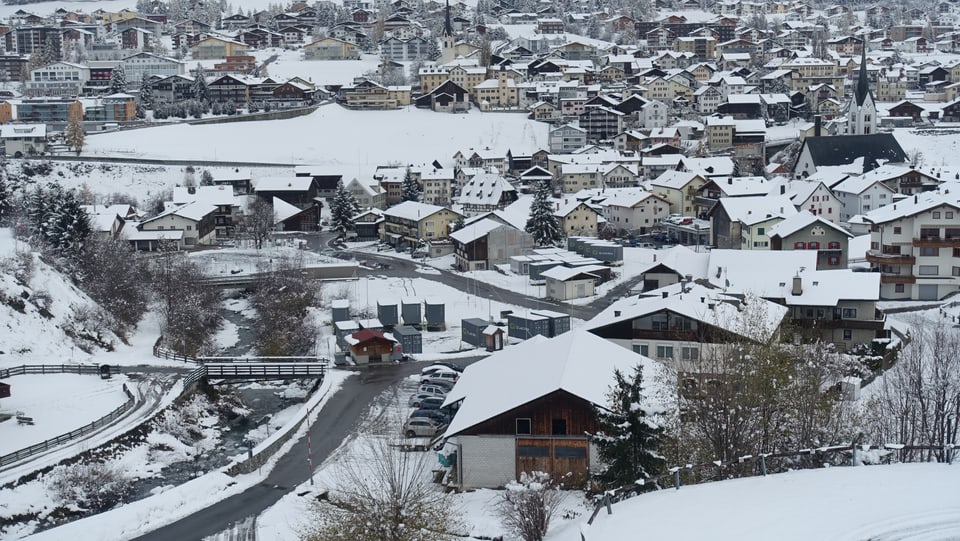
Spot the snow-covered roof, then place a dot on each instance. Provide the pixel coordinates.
(566, 273)
(577, 362)
(674, 179)
(283, 184)
(681, 259)
(800, 220)
(283, 210)
(752, 210)
(412, 210)
(485, 189)
(475, 230)
(912, 205)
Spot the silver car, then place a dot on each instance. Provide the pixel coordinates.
(420, 427)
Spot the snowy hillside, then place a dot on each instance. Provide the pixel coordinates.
(39, 311)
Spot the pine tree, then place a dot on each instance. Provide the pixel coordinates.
(342, 210)
(118, 80)
(410, 189)
(5, 196)
(69, 225)
(542, 223)
(146, 93)
(75, 136)
(628, 440)
(38, 211)
(50, 52)
(200, 90)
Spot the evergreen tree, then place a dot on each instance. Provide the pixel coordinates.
(146, 93)
(50, 52)
(542, 223)
(75, 136)
(118, 80)
(5, 197)
(342, 210)
(410, 189)
(200, 90)
(69, 225)
(628, 440)
(458, 225)
(252, 107)
(38, 211)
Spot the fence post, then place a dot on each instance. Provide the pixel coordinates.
(676, 478)
(763, 463)
(606, 503)
(853, 458)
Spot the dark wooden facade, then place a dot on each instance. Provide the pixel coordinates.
(4, 390)
(551, 435)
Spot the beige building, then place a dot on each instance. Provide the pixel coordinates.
(217, 48)
(331, 49)
(408, 224)
(578, 219)
(678, 188)
(498, 93)
(809, 71)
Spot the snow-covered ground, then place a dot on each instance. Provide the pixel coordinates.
(85, 398)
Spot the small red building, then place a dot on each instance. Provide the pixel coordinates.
(370, 346)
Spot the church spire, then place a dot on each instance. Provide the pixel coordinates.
(447, 27)
(863, 85)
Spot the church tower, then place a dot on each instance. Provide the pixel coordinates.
(862, 111)
(448, 42)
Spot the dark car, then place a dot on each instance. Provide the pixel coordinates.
(431, 402)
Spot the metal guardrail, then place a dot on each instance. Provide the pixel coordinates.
(81, 369)
(166, 353)
(26, 452)
(264, 370)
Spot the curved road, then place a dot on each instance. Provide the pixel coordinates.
(333, 424)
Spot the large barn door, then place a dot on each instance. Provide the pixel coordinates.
(566, 460)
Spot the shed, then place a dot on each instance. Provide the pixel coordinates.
(388, 312)
(493, 337)
(369, 346)
(471, 331)
(528, 326)
(435, 314)
(411, 341)
(341, 310)
(410, 311)
(565, 283)
(537, 269)
(373, 324)
(4, 390)
(343, 329)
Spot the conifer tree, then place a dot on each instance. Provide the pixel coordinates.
(342, 210)
(118, 80)
(75, 136)
(146, 93)
(628, 440)
(542, 223)
(200, 90)
(410, 189)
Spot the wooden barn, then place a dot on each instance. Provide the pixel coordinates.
(370, 346)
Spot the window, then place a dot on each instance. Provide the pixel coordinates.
(898, 288)
(847, 334)
(897, 230)
(956, 252)
(936, 215)
(929, 270)
(929, 233)
(533, 451)
(928, 251)
(689, 353)
(642, 349)
(833, 245)
(955, 271)
(189, 228)
(867, 196)
(951, 233)
(569, 452)
(814, 245)
(558, 427)
(799, 245)
(523, 426)
(849, 313)
(833, 261)
(760, 231)
(664, 352)
(948, 215)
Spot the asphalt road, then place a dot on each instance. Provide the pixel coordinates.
(337, 420)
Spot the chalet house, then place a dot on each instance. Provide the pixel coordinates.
(301, 192)
(408, 223)
(331, 49)
(195, 220)
(630, 210)
(715, 188)
(539, 420)
(448, 97)
(742, 223)
(486, 192)
(680, 323)
(815, 197)
(371, 95)
(806, 231)
(487, 241)
(173, 88)
(367, 225)
(679, 188)
(914, 244)
(368, 194)
(859, 194)
(229, 88)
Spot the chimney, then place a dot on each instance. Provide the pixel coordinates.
(666, 294)
(616, 313)
(729, 180)
(719, 270)
(817, 125)
(915, 199)
(797, 285)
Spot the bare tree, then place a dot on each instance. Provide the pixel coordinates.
(257, 222)
(385, 497)
(283, 298)
(918, 400)
(189, 310)
(527, 506)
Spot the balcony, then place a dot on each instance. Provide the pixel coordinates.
(937, 242)
(876, 257)
(898, 279)
(860, 324)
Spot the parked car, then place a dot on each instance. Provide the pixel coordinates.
(434, 389)
(420, 427)
(439, 416)
(419, 254)
(416, 399)
(431, 402)
(450, 376)
(437, 366)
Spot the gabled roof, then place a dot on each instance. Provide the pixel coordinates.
(800, 221)
(485, 189)
(475, 230)
(283, 184)
(912, 205)
(576, 362)
(413, 210)
(845, 149)
(753, 210)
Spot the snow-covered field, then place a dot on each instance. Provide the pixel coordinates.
(332, 136)
(85, 398)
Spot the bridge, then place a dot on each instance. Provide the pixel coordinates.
(336, 271)
(257, 371)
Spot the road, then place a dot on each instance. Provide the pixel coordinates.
(335, 422)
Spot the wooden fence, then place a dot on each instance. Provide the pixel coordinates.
(26, 452)
(759, 461)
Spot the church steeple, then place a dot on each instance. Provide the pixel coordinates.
(447, 27)
(863, 85)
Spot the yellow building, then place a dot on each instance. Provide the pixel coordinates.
(216, 48)
(331, 49)
(407, 224)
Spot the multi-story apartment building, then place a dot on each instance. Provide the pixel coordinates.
(809, 71)
(138, 66)
(58, 79)
(408, 223)
(915, 244)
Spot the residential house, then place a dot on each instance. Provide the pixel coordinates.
(367, 224)
(816, 197)
(144, 65)
(742, 223)
(629, 210)
(566, 138)
(489, 240)
(370, 346)
(63, 79)
(448, 97)
(195, 220)
(368, 194)
(21, 140)
(860, 194)
(540, 418)
(486, 192)
(578, 219)
(330, 48)
(409, 223)
(807, 231)
(601, 123)
(567, 283)
(679, 188)
(213, 48)
(368, 94)
(915, 244)
(866, 151)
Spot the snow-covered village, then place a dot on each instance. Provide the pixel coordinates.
(512, 270)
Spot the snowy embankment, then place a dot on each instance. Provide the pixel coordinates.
(137, 518)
